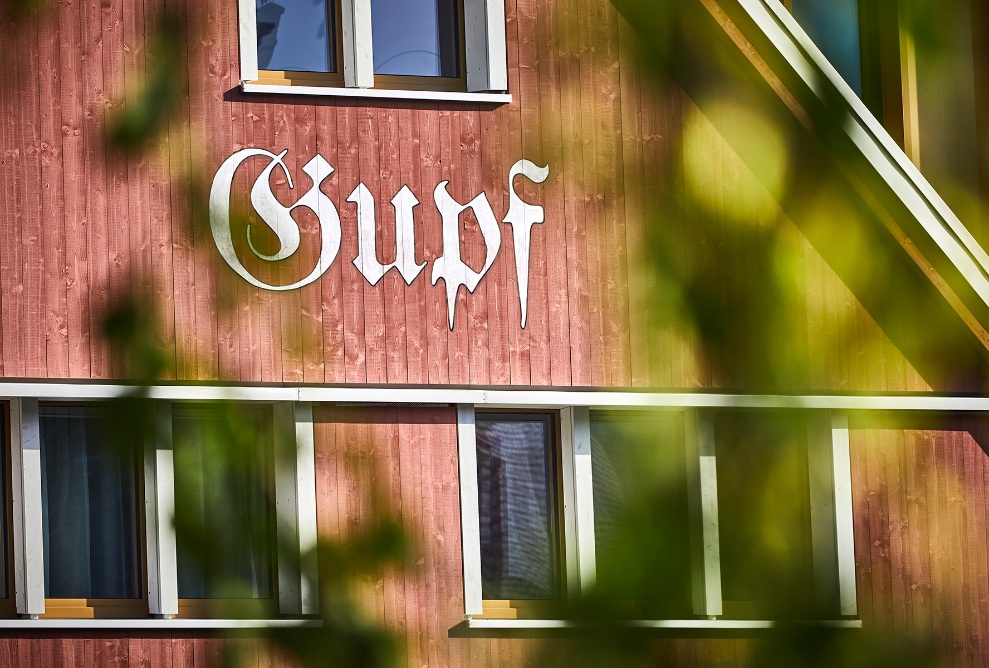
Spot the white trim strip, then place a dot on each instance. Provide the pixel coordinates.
(584, 491)
(358, 59)
(295, 508)
(29, 548)
(503, 397)
(844, 524)
(247, 25)
(702, 502)
(159, 508)
(305, 439)
(470, 517)
(569, 503)
(382, 93)
(157, 624)
(712, 624)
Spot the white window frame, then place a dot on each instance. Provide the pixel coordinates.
(832, 500)
(832, 528)
(485, 46)
(295, 512)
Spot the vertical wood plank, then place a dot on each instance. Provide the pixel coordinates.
(332, 285)
(415, 295)
(391, 287)
(52, 211)
(375, 341)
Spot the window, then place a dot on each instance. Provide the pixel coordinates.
(641, 537)
(861, 38)
(372, 46)
(518, 492)
(223, 509)
(764, 516)
(90, 499)
(92, 512)
(671, 514)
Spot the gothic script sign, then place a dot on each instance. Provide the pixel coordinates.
(450, 266)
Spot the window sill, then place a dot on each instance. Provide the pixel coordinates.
(158, 624)
(662, 628)
(661, 624)
(381, 93)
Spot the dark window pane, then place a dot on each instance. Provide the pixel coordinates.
(4, 536)
(416, 37)
(222, 510)
(640, 510)
(763, 509)
(296, 35)
(834, 27)
(516, 475)
(89, 507)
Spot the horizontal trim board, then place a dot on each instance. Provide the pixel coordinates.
(710, 624)
(502, 397)
(157, 624)
(380, 93)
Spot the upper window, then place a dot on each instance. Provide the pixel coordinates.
(429, 45)
(861, 39)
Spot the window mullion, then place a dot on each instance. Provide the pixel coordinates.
(844, 526)
(358, 53)
(295, 507)
(702, 491)
(159, 507)
(248, 28)
(571, 562)
(485, 45)
(29, 547)
(581, 550)
(470, 517)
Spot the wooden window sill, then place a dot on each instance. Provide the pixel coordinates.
(667, 624)
(381, 93)
(157, 624)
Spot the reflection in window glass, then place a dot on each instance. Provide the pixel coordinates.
(516, 474)
(89, 508)
(222, 511)
(296, 35)
(763, 509)
(834, 27)
(640, 509)
(416, 37)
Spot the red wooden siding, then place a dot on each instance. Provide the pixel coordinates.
(83, 222)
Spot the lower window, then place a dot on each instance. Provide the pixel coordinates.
(764, 515)
(223, 510)
(90, 499)
(519, 503)
(641, 535)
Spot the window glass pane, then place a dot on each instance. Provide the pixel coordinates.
(89, 507)
(4, 541)
(416, 37)
(834, 27)
(640, 509)
(763, 509)
(222, 510)
(516, 474)
(297, 35)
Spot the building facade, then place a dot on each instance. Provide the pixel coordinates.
(643, 307)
